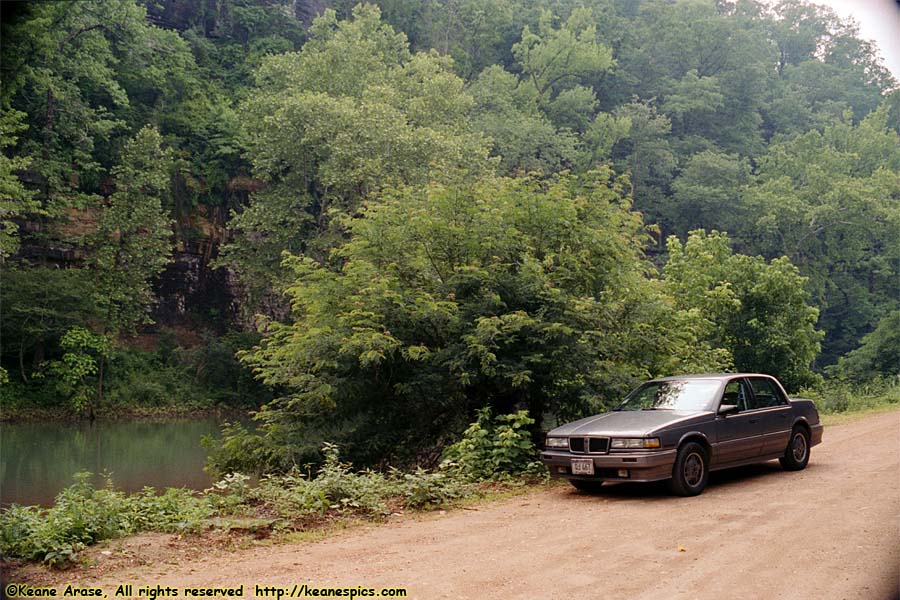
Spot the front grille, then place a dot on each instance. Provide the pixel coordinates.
(593, 445)
(598, 444)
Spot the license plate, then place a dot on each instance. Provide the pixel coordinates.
(582, 466)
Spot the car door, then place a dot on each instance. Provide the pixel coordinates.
(774, 412)
(738, 434)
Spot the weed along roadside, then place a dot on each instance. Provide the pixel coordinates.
(495, 456)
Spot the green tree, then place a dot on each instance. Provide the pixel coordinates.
(352, 113)
(706, 66)
(41, 303)
(646, 152)
(545, 120)
(823, 68)
(17, 201)
(522, 136)
(60, 67)
(708, 191)
(508, 293)
(878, 354)
(81, 363)
(476, 33)
(133, 243)
(827, 200)
(555, 56)
(756, 310)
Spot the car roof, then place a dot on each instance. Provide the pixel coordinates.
(714, 376)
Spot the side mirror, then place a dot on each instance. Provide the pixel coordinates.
(728, 409)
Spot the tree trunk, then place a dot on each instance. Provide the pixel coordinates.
(99, 385)
(22, 363)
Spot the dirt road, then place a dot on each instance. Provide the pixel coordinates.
(830, 531)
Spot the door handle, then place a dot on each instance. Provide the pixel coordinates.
(753, 421)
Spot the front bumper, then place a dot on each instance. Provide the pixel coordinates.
(641, 466)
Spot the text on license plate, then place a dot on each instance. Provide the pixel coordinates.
(582, 466)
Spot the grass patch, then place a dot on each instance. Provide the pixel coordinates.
(836, 419)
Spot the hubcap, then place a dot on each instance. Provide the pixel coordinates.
(693, 469)
(799, 447)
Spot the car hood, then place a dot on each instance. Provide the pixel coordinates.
(628, 422)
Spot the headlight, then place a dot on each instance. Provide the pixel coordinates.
(556, 442)
(633, 443)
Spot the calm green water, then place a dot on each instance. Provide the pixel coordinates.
(37, 460)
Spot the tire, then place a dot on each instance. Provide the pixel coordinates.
(690, 473)
(591, 487)
(796, 455)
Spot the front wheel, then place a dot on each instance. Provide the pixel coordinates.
(691, 471)
(796, 456)
(591, 487)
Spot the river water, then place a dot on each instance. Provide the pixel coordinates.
(37, 460)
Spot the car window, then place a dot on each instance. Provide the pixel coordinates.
(765, 393)
(690, 395)
(736, 393)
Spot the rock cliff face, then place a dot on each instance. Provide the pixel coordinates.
(307, 10)
(190, 290)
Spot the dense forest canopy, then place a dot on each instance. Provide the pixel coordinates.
(399, 212)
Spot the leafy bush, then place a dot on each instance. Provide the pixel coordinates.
(422, 489)
(84, 515)
(214, 367)
(837, 396)
(230, 493)
(295, 495)
(489, 291)
(238, 450)
(141, 378)
(177, 510)
(494, 448)
(291, 496)
(366, 491)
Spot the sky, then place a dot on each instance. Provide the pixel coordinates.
(879, 20)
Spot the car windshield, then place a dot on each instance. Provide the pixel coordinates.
(697, 395)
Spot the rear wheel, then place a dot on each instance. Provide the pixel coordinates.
(591, 487)
(796, 456)
(690, 473)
